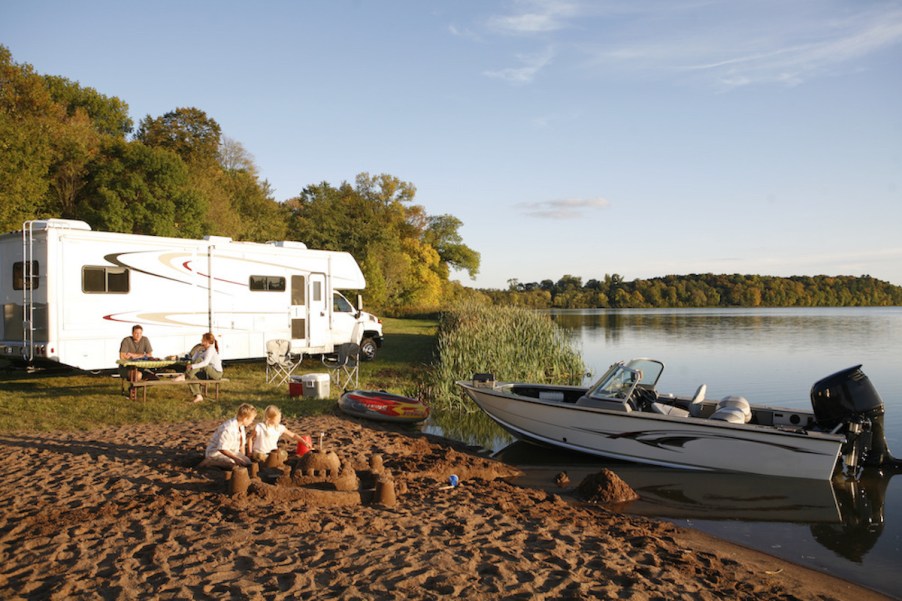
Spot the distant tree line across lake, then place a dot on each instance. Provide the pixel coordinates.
(700, 290)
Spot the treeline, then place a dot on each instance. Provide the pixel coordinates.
(71, 152)
(700, 290)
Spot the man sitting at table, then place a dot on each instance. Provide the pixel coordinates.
(135, 346)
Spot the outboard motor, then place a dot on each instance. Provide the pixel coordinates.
(848, 401)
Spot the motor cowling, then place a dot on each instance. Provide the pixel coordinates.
(843, 395)
(847, 398)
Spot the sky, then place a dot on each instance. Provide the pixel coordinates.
(571, 137)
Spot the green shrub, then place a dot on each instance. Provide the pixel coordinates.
(512, 343)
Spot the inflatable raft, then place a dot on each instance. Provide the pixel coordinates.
(383, 406)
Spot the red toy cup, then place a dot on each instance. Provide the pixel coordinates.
(304, 445)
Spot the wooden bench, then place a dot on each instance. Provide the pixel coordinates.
(205, 385)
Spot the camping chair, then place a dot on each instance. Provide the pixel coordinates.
(280, 363)
(344, 363)
(344, 366)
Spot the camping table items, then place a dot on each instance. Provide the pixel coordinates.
(145, 364)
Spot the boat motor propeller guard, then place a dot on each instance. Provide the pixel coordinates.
(847, 401)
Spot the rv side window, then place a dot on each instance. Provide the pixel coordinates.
(104, 280)
(19, 275)
(266, 283)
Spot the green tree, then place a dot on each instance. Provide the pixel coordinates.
(256, 215)
(76, 143)
(186, 131)
(442, 234)
(28, 118)
(137, 189)
(108, 115)
(405, 254)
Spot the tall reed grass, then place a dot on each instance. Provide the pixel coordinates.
(513, 343)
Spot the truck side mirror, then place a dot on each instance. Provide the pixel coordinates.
(359, 304)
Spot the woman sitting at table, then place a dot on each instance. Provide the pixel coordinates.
(208, 367)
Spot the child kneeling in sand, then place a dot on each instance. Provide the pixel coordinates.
(228, 444)
(267, 433)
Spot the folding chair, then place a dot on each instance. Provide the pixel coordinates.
(280, 363)
(344, 366)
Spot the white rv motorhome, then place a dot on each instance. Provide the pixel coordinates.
(71, 294)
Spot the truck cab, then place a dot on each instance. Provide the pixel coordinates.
(345, 317)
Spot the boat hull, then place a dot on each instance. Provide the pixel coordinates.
(382, 406)
(686, 443)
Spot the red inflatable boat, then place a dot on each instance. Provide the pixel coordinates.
(383, 406)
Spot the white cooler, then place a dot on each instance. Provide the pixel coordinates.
(315, 386)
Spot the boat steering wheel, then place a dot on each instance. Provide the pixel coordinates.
(642, 398)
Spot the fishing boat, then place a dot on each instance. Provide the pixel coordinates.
(623, 416)
(383, 406)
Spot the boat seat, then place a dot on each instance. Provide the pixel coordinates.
(732, 415)
(695, 406)
(609, 404)
(733, 409)
(670, 410)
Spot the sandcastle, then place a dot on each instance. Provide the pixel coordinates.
(316, 471)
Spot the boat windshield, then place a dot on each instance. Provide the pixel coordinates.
(620, 379)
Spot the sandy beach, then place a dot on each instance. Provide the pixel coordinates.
(123, 513)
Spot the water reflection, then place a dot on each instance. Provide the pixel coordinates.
(474, 428)
(861, 507)
(845, 516)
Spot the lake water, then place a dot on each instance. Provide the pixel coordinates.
(851, 529)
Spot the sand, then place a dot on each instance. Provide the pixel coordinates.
(122, 513)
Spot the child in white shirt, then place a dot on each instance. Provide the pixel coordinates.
(229, 442)
(267, 433)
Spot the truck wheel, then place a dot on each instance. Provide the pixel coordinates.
(368, 349)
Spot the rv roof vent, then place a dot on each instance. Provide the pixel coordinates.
(67, 224)
(217, 239)
(287, 244)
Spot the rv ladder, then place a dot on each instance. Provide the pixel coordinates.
(28, 291)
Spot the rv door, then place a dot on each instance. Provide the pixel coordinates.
(309, 313)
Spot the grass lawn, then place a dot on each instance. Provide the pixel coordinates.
(75, 400)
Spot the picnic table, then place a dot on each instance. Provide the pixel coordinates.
(154, 363)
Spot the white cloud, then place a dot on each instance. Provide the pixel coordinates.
(784, 62)
(568, 208)
(535, 16)
(531, 65)
(729, 44)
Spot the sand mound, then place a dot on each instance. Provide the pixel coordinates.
(606, 488)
